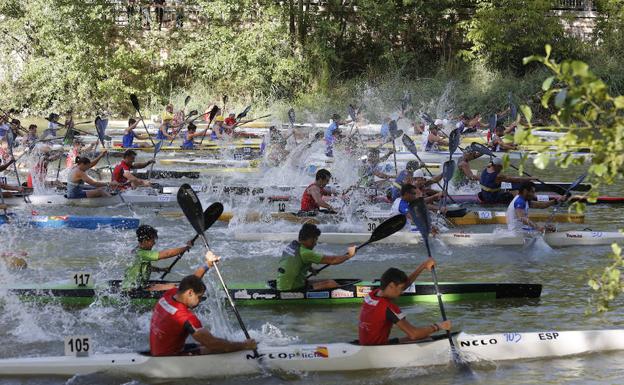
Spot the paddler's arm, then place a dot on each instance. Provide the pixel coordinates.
(418, 333)
(212, 344)
(142, 164)
(426, 265)
(87, 179)
(6, 165)
(338, 259)
(211, 259)
(465, 167)
(168, 253)
(164, 131)
(97, 159)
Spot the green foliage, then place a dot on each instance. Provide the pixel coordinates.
(608, 285)
(591, 117)
(503, 32)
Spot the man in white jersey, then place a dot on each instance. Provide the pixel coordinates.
(518, 210)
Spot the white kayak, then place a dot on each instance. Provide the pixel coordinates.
(161, 200)
(210, 162)
(558, 239)
(327, 357)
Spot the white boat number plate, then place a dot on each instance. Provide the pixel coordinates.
(543, 198)
(485, 214)
(371, 226)
(77, 346)
(246, 150)
(164, 198)
(82, 279)
(506, 185)
(279, 206)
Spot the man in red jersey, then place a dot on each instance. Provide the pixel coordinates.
(122, 173)
(312, 198)
(173, 321)
(379, 314)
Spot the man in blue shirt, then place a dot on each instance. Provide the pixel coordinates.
(331, 133)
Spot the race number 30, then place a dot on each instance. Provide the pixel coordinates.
(78, 346)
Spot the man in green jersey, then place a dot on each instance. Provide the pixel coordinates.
(297, 260)
(138, 273)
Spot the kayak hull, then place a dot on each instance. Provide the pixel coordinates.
(328, 357)
(559, 239)
(350, 291)
(76, 222)
(59, 200)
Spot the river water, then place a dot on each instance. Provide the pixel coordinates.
(56, 254)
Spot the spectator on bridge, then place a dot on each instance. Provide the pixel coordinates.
(159, 8)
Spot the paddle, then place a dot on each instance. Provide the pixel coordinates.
(420, 214)
(243, 114)
(157, 148)
(181, 126)
(291, 121)
(11, 141)
(211, 215)
(454, 139)
(192, 208)
(484, 150)
(384, 230)
(428, 119)
(393, 129)
(567, 194)
(409, 144)
(137, 107)
(249, 121)
(448, 168)
(213, 113)
(224, 99)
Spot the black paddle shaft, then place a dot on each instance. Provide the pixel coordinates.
(137, 107)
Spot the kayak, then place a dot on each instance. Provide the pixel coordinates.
(211, 162)
(134, 199)
(73, 221)
(328, 357)
(485, 217)
(350, 291)
(144, 173)
(474, 199)
(557, 239)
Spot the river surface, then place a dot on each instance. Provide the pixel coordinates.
(56, 254)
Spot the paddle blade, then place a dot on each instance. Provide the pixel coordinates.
(397, 134)
(388, 227)
(514, 112)
(492, 122)
(409, 144)
(576, 183)
(193, 113)
(98, 129)
(157, 147)
(291, 116)
(448, 169)
(191, 207)
(424, 116)
(244, 113)
(135, 102)
(351, 112)
(10, 137)
(187, 100)
(480, 148)
(213, 112)
(454, 139)
(420, 214)
(212, 214)
(393, 128)
(225, 99)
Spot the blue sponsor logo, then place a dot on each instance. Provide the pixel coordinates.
(318, 294)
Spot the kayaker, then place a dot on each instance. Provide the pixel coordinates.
(32, 136)
(4, 126)
(433, 141)
(462, 175)
(39, 171)
(497, 142)
(491, 179)
(518, 210)
(77, 177)
(409, 193)
(230, 121)
(137, 275)
(218, 131)
(122, 174)
(331, 132)
(385, 127)
(127, 141)
(312, 198)
(79, 148)
(404, 177)
(167, 118)
(53, 126)
(173, 321)
(191, 133)
(298, 257)
(378, 313)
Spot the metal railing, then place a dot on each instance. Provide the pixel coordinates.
(576, 5)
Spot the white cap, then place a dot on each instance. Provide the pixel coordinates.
(418, 174)
(438, 122)
(497, 161)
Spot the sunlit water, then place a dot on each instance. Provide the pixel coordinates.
(55, 254)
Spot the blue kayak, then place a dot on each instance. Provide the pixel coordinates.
(73, 221)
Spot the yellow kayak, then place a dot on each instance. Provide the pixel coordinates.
(498, 217)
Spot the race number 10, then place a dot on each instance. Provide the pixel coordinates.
(77, 346)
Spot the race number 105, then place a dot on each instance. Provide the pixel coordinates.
(78, 346)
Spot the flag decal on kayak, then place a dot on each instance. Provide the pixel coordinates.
(322, 352)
